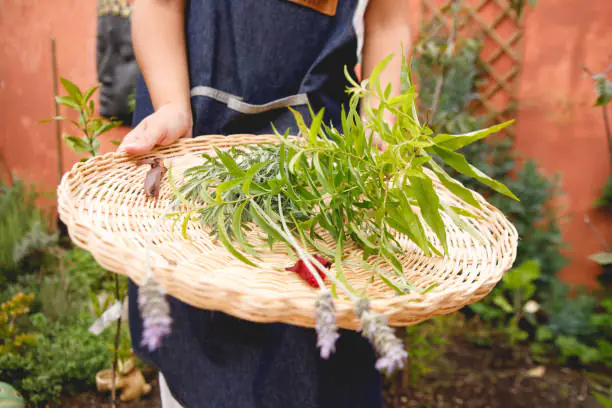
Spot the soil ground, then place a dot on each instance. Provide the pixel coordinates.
(468, 376)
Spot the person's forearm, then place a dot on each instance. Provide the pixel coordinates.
(387, 28)
(158, 35)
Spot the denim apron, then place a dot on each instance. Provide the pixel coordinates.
(248, 61)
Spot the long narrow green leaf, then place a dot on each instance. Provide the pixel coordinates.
(185, 225)
(464, 212)
(458, 162)
(392, 259)
(355, 230)
(340, 270)
(321, 175)
(454, 142)
(294, 163)
(315, 127)
(248, 176)
(106, 127)
(89, 93)
(226, 241)
(299, 120)
(391, 284)
(237, 231)
(72, 90)
(461, 223)
(430, 203)
(455, 186)
(204, 195)
(415, 225)
(226, 186)
(68, 102)
(401, 99)
(348, 136)
(229, 163)
(375, 75)
(273, 235)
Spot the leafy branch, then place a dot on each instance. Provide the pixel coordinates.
(603, 90)
(336, 182)
(91, 127)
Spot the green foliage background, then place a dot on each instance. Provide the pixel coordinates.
(62, 356)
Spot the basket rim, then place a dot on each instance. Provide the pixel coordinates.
(86, 235)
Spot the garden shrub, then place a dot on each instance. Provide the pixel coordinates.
(23, 230)
(12, 336)
(535, 216)
(46, 294)
(63, 359)
(578, 328)
(447, 85)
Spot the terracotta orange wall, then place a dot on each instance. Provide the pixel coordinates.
(556, 124)
(26, 87)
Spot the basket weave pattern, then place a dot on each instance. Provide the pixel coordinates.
(103, 204)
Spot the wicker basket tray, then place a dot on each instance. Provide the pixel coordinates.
(103, 204)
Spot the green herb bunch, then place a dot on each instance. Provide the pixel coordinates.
(339, 183)
(334, 180)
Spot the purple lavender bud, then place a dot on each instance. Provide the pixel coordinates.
(155, 312)
(327, 328)
(362, 305)
(389, 348)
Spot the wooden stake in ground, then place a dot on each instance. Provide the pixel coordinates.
(58, 131)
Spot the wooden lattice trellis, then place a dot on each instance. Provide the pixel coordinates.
(496, 23)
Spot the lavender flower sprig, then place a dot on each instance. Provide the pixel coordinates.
(327, 328)
(155, 311)
(389, 348)
(325, 311)
(392, 355)
(152, 303)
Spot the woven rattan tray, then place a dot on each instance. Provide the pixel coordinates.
(103, 204)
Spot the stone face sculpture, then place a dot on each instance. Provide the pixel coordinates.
(116, 63)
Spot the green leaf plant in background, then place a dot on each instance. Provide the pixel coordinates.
(511, 301)
(333, 179)
(87, 124)
(91, 128)
(23, 229)
(577, 329)
(603, 91)
(448, 84)
(449, 87)
(12, 338)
